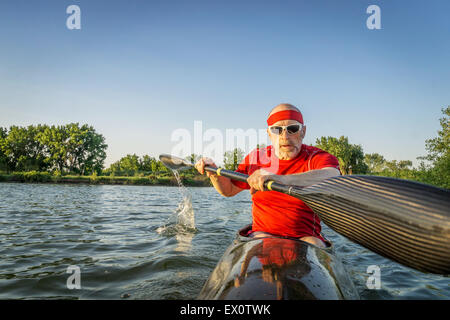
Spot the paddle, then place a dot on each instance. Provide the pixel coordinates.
(406, 221)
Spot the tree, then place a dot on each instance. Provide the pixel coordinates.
(3, 158)
(72, 148)
(375, 162)
(53, 138)
(85, 149)
(155, 166)
(233, 158)
(22, 149)
(193, 158)
(161, 168)
(36, 150)
(146, 163)
(350, 156)
(437, 172)
(439, 147)
(69, 148)
(128, 165)
(398, 169)
(132, 165)
(91, 154)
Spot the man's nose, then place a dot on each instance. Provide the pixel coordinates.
(284, 134)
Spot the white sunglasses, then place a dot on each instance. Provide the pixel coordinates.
(291, 129)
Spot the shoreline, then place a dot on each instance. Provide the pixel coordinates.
(44, 177)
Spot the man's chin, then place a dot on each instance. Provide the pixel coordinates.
(288, 152)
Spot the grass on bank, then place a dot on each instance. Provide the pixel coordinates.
(47, 177)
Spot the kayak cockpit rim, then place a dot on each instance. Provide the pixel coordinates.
(243, 235)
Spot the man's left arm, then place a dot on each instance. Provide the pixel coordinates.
(304, 179)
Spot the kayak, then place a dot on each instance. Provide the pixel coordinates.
(277, 268)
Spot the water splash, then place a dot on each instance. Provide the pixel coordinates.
(185, 212)
(182, 221)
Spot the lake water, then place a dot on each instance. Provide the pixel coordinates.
(129, 244)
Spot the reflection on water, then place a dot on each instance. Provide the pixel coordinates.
(184, 241)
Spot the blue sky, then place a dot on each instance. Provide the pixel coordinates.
(138, 70)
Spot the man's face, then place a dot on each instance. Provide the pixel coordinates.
(287, 146)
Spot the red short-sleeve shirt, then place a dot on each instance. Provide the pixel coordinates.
(279, 213)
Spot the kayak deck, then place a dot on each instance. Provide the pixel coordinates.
(276, 268)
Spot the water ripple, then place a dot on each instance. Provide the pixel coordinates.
(129, 244)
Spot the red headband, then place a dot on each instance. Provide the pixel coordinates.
(285, 115)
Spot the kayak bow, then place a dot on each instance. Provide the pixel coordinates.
(276, 268)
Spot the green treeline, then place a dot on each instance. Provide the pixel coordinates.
(67, 153)
(132, 165)
(76, 154)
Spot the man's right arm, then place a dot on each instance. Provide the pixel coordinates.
(223, 185)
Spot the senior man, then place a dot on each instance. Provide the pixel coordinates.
(287, 161)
